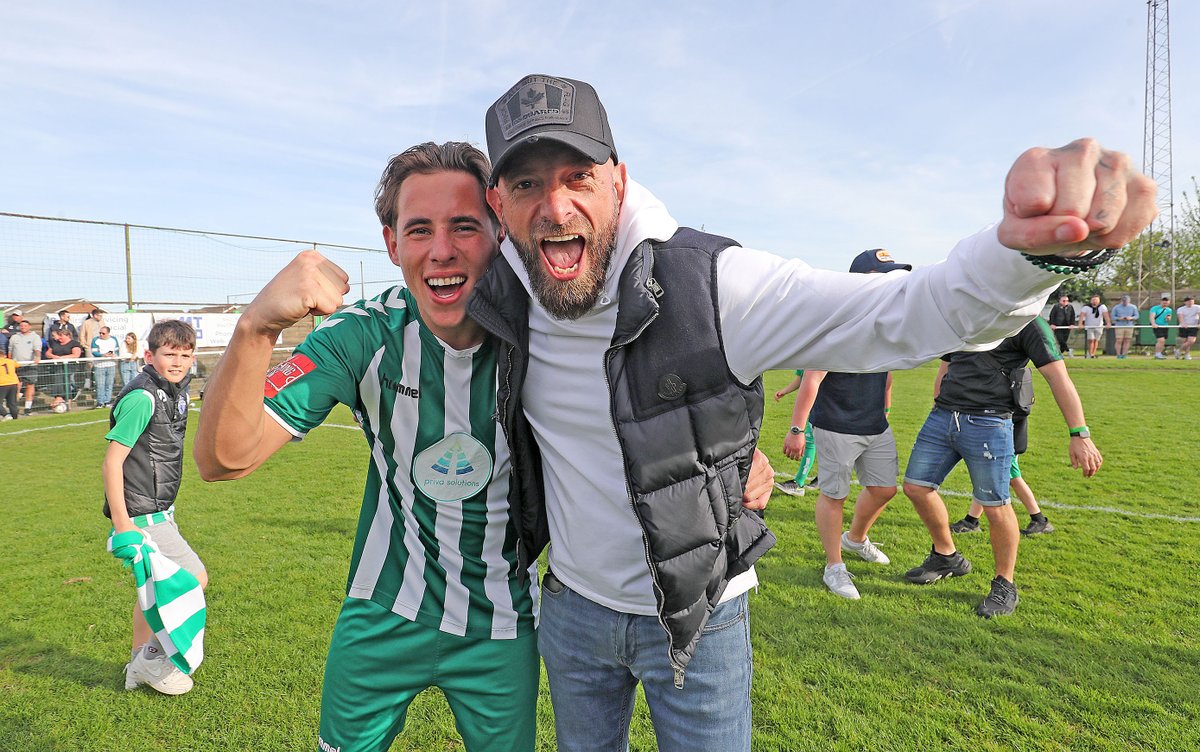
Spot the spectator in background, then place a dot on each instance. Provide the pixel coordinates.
(9, 385)
(62, 346)
(803, 438)
(1093, 318)
(4, 341)
(1124, 317)
(13, 325)
(1160, 319)
(972, 422)
(87, 331)
(1062, 321)
(91, 327)
(104, 346)
(129, 358)
(26, 347)
(1189, 319)
(62, 324)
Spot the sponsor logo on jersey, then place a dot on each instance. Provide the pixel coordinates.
(399, 388)
(287, 373)
(455, 468)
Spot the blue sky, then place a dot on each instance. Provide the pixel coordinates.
(812, 130)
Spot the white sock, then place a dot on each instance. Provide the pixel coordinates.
(28, 404)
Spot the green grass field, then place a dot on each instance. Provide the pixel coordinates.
(1102, 653)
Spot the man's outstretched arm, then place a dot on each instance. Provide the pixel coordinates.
(1084, 454)
(235, 435)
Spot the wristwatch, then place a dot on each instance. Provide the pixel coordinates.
(795, 430)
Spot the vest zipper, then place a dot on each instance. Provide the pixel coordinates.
(608, 356)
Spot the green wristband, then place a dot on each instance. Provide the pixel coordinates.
(1080, 431)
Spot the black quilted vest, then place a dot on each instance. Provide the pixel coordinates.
(686, 425)
(154, 467)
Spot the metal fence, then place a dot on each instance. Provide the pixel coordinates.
(77, 384)
(56, 258)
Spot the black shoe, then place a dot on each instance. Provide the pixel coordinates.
(27, 412)
(1002, 601)
(937, 566)
(1037, 527)
(965, 526)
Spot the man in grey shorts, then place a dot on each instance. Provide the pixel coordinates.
(848, 412)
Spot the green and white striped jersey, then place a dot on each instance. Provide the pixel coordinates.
(434, 541)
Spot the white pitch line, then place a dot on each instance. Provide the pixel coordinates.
(50, 428)
(1071, 507)
(5, 434)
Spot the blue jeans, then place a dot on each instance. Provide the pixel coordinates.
(129, 369)
(984, 442)
(105, 375)
(595, 658)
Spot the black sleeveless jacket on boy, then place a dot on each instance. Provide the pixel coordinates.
(154, 466)
(686, 425)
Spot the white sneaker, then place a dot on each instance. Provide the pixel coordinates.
(791, 488)
(158, 673)
(867, 550)
(838, 580)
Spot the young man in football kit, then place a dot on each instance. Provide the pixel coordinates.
(435, 593)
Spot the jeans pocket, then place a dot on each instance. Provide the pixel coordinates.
(551, 585)
(985, 421)
(728, 614)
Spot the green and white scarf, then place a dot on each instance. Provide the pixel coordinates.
(169, 596)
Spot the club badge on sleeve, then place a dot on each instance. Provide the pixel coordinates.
(287, 373)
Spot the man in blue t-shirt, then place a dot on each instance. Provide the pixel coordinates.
(1124, 319)
(1160, 319)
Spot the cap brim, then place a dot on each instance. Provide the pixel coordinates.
(588, 147)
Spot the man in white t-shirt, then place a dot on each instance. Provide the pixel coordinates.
(1188, 316)
(1093, 317)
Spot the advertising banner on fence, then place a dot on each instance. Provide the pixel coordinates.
(212, 329)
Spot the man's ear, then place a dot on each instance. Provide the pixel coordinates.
(497, 203)
(620, 177)
(389, 240)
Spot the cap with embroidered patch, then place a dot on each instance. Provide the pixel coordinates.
(876, 260)
(548, 107)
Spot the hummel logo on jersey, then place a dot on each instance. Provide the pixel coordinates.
(399, 388)
(325, 746)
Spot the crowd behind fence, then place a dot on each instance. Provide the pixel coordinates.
(73, 384)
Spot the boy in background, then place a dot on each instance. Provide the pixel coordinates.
(8, 387)
(142, 469)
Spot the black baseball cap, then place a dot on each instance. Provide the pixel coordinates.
(549, 107)
(876, 260)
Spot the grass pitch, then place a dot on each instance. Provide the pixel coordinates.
(1102, 653)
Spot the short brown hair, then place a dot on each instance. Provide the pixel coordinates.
(426, 159)
(171, 333)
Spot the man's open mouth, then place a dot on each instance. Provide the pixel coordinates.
(446, 287)
(563, 254)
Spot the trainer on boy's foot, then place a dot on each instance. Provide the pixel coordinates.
(635, 349)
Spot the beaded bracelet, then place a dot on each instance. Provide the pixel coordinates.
(1076, 265)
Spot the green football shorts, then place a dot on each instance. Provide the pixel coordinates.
(379, 661)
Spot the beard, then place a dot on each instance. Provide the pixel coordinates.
(573, 298)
